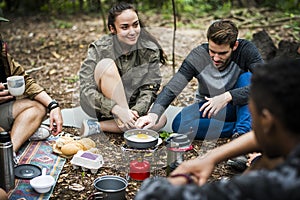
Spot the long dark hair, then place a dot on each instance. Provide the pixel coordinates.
(118, 9)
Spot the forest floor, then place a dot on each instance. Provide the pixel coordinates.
(52, 50)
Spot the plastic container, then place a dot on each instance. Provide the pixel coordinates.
(87, 160)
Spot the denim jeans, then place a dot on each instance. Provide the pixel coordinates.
(231, 119)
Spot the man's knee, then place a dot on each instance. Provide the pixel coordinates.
(34, 107)
(39, 108)
(3, 194)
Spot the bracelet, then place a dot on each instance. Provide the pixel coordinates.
(52, 105)
(186, 176)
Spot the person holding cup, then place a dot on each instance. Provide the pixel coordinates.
(24, 103)
(16, 85)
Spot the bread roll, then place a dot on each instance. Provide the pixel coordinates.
(87, 143)
(70, 148)
(63, 140)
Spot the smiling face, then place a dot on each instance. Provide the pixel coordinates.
(127, 27)
(220, 54)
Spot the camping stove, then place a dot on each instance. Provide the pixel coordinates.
(139, 162)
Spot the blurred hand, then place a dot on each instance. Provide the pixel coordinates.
(215, 104)
(4, 94)
(56, 121)
(147, 121)
(201, 169)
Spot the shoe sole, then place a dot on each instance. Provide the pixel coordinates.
(83, 129)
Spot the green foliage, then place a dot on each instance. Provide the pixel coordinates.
(287, 5)
(72, 79)
(196, 8)
(61, 24)
(248, 35)
(164, 135)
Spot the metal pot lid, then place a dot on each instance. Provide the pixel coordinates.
(178, 141)
(27, 171)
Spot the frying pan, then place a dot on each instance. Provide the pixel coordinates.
(136, 138)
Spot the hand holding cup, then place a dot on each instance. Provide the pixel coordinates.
(16, 85)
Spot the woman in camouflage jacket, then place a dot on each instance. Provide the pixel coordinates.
(121, 74)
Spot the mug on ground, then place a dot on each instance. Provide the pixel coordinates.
(16, 85)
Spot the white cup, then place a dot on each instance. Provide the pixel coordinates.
(16, 85)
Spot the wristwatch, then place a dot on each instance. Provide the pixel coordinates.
(53, 104)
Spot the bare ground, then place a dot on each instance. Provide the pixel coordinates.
(52, 51)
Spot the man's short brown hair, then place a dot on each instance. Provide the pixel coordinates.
(223, 32)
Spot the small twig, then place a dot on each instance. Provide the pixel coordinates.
(34, 69)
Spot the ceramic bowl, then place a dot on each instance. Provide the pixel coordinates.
(43, 183)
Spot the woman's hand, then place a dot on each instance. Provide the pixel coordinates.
(126, 117)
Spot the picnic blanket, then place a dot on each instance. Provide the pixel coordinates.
(38, 153)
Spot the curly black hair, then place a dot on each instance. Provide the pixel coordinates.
(276, 87)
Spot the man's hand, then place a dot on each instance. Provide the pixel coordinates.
(4, 94)
(147, 121)
(215, 104)
(56, 121)
(199, 168)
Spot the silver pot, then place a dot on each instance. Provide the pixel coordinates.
(112, 187)
(150, 140)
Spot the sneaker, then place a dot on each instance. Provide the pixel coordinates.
(238, 163)
(235, 135)
(89, 127)
(41, 133)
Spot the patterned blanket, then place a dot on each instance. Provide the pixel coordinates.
(37, 153)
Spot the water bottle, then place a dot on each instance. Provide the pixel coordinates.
(7, 176)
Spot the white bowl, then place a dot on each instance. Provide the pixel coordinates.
(43, 183)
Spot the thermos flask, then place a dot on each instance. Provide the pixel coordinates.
(7, 176)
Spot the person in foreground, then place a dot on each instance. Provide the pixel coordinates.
(3, 194)
(223, 69)
(274, 96)
(22, 117)
(120, 77)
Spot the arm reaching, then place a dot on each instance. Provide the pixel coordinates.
(202, 167)
(147, 121)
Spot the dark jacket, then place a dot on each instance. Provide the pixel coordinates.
(283, 182)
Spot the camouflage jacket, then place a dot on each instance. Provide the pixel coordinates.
(139, 70)
(283, 182)
(10, 67)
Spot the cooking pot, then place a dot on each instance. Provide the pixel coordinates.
(112, 187)
(141, 138)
